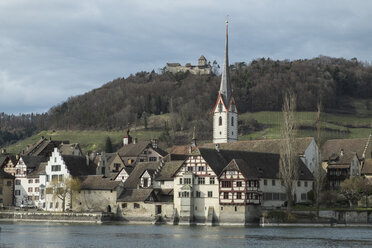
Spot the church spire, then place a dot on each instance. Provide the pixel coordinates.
(225, 88)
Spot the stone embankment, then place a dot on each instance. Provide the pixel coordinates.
(55, 217)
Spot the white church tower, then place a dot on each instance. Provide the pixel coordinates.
(225, 114)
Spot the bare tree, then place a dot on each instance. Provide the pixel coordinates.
(319, 172)
(288, 167)
(65, 190)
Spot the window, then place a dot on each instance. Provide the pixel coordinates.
(51, 205)
(210, 194)
(8, 183)
(238, 183)
(211, 180)
(47, 178)
(29, 180)
(225, 195)
(305, 184)
(17, 192)
(152, 158)
(117, 167)
(36, 198)
(18, 182)
(198, 194)
(220, 121)
(232, 121)
(187, 180)
(55, 160)
(123, 205)
(180, 180)
(189, 168)
(201, 180)
(56, 167)
(238, 195)
(29, 189)
(37, 189)
(200, 168)
(54, 178)
(298, 183)
(37, 181)
(56, 205)
(136, 205)
(60, 178)
(226, 184)
(236, 208)
(273, 182)
(18, 171)
(103, 170)
(265, 182)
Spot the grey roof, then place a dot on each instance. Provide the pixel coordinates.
(264, 145)
(77, 165)
(136, 195)
(3, 158)
(134, 178)
(40, 170)
(175, 157)
(332, 148)
(168, 170)
(225, 87)
(133, 150)
(367, 167)
(44, 147)
(33, 162)
(265, 164)
(98, 182)
(160, 151)
(173, 64)
(67, 149)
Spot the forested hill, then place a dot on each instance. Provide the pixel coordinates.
(257, 86)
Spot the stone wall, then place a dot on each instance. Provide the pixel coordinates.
(146, 212)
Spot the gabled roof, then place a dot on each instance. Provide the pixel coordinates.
(334, 147)
(134, 178)
(98, 182)
(265, 145)
(160, 151)
(33, 162)
(3, 158)
(68, 149)
(175, 157)
(42, 148)
(5, 175)
(136, 195)
(40, 170)
(78, 166)
(168, 170)
(133, 150)
(367, 167)
(180, 150)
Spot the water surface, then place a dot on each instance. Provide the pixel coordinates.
(113, 235)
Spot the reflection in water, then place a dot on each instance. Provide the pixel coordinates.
(74, 235)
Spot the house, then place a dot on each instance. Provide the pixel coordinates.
(44, 147)
(306, 148)
(6, 188)
(111, 165)
(58, 170)
(70, 149)
(28, 181)
(143, 151)
(97, 194)
(344, 158)
(141, 176)
(203, 184)
(144, 205)
(8, 162)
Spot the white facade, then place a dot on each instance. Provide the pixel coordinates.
(122, 176)
(311, 156)
(225, 123)
(198, 179)
(56, 171)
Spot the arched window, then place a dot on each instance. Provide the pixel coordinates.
(232, 121)
(220, 121)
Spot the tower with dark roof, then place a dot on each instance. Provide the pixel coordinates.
(225, 114)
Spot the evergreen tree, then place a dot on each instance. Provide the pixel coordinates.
(108, 145)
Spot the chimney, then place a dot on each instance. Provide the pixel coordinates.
(342, 152)
(218, 147)
(87, 159)
(135, 141)
(3, 151)
(28, 147)
(193, 143)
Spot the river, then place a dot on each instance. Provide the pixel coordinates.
(112, 235)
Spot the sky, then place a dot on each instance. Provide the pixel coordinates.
(53, 50)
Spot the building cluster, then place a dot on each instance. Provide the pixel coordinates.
(227, 181)
(203, 67)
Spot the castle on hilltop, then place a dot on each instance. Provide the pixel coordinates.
(203, 67)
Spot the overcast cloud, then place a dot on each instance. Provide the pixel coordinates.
(51, 50)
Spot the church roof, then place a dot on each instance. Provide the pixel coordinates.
(225, 87)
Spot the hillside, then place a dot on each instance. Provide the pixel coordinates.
(343, 86)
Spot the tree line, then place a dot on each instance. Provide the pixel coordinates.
(258, 86)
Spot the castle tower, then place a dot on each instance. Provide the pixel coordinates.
(225, 114)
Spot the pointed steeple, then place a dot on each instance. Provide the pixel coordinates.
(225, 88)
